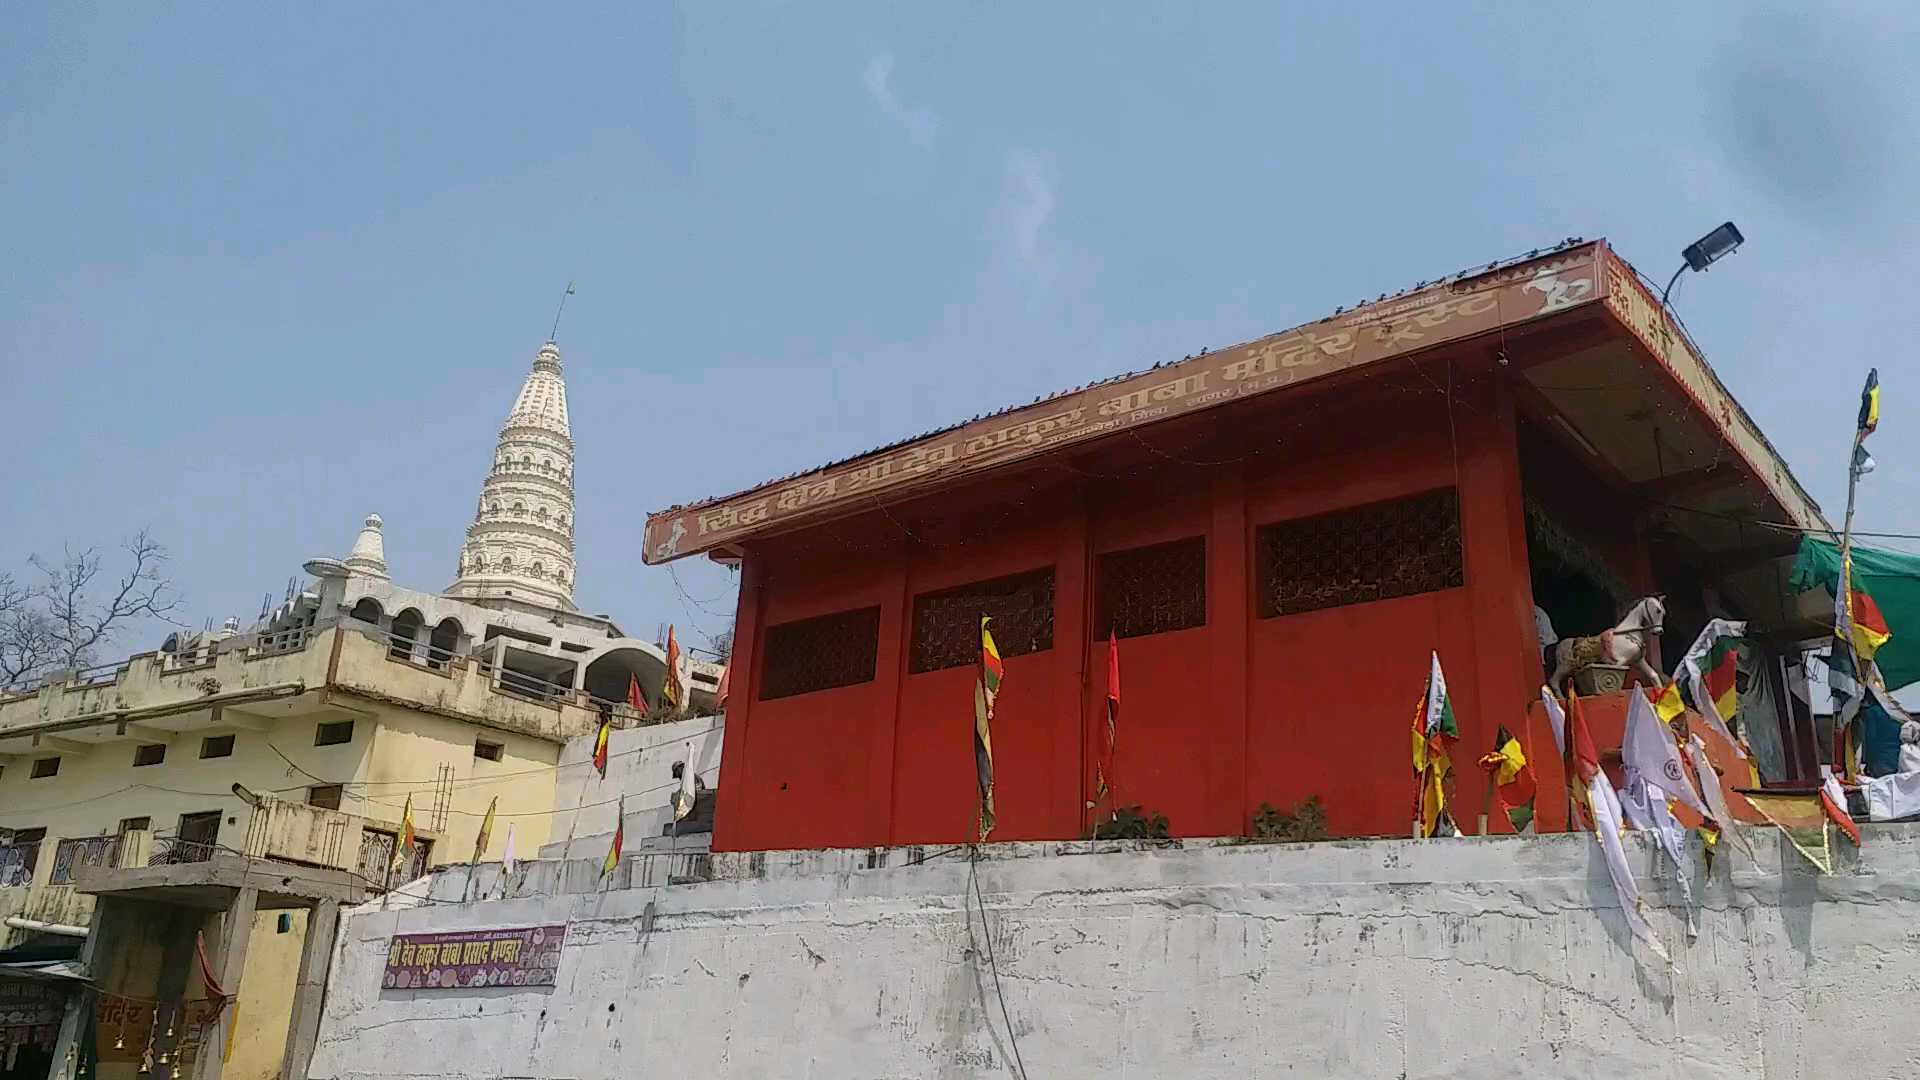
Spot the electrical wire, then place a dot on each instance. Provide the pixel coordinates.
(973, 883)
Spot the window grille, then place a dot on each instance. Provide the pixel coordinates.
(946, 624)
(1152, 590)
(1400, 547)
(821, 653)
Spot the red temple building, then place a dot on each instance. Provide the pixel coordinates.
(1278, 534)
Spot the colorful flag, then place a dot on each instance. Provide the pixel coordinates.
(1512, 778)
(1105, 769)
(1870, 404)
(403, 844)
(486, 829)
(1434, 733)
(1704, 680)
(619, 837)
(636, 698)
(1864, 627)
(600, 741)
(1650, 750)
(1802, 817)
(985, 692)
(672, 691)
(1597, 792)
(1834, 801)
(1722, 822)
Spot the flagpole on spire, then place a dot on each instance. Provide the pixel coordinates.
(554, 335)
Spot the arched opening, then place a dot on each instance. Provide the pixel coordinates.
(537, 570)
(446, 638)
(506, 564)
(609, 675)
(367, 610)
(406, 629)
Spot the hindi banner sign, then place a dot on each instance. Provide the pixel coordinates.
(527, 956)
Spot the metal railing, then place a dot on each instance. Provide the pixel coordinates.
(78, 851)
(173, 851)
(418, 650)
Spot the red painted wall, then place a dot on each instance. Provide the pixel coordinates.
(1216, 719)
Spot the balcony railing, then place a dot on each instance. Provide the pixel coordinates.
(79, 851)
(173, 851)
(17, 863)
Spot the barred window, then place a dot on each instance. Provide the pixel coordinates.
(1152, 590)
(821, 653)
(1400, 547)
(946, 624)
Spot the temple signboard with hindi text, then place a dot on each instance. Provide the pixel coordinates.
(525, 956)
(1421, 319)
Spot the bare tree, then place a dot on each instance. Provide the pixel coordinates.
(63, 621)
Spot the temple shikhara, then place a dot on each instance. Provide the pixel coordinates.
(1276, 539)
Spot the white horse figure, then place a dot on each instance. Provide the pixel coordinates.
(1625, 644)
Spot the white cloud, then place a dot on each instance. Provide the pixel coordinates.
(1026, 215)
(919, 122)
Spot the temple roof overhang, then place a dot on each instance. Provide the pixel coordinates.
(1591, 355)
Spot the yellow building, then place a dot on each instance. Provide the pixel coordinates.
(286, 758)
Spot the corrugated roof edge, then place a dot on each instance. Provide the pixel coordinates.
(1451, 279)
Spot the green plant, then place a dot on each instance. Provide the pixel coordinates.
(1130, 823)
(1306, 822)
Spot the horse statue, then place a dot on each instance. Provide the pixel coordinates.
(1625, 645)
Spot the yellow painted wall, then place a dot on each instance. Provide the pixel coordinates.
(394, 751)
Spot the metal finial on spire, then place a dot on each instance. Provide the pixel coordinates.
(555, 335)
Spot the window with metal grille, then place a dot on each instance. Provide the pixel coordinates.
(821, 653)
(1400, 547)
(1153, 589)
(946, 624)
(79, 851)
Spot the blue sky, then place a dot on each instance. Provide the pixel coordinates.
(273, 267)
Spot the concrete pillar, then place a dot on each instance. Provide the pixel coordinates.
(110, 918)
(236, 932)
(309, 989)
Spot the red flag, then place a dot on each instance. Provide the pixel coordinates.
(636, 700)
(1103, 776)
(671, 690)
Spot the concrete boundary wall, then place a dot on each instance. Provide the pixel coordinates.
(1461, 958)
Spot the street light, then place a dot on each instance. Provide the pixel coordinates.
(1704, 252)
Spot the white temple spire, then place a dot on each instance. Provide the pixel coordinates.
(369, 554)
(521, 541)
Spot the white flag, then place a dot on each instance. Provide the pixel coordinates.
(506, 857)
(1716, 798)
(1649, 750)
(1646, 807)
(683, 799)
(1607, 829)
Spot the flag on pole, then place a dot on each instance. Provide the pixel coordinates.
(506, 852)
(1704, 681)
(600, 741)
(1596, 791)
(683, 797)
(636, 699)
(1870, 404)
(1513, 781)
(1649, 749)
(1857, 619)
(486, 829)
(1104, 770)
(673, 691)
(1434, 733)
(619, 836)
(403, 844)
(985, 691)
